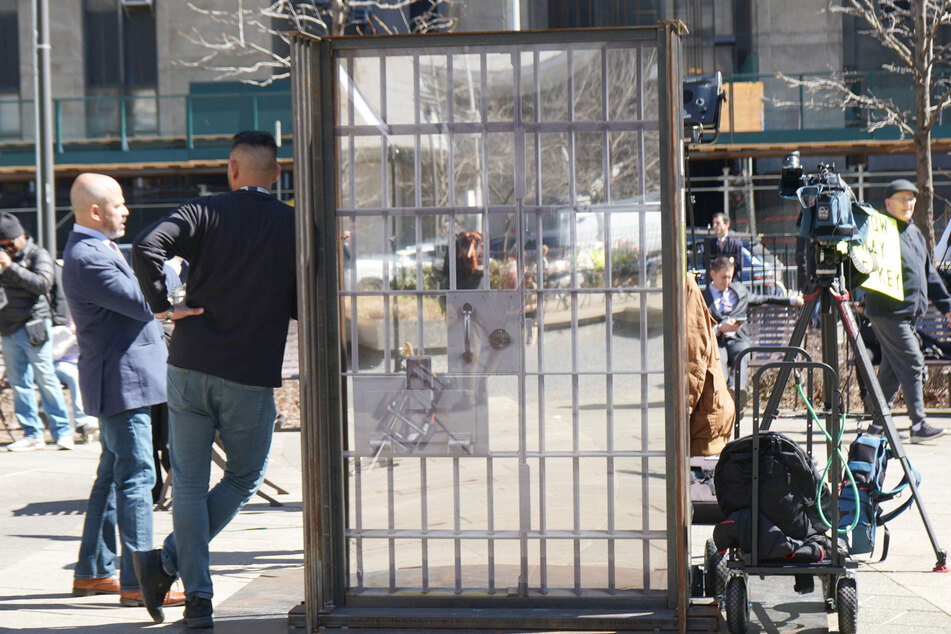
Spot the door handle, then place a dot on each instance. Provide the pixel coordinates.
(466, 315)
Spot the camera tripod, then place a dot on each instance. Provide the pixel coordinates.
(834, 305)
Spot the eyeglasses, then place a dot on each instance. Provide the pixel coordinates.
(7, 244)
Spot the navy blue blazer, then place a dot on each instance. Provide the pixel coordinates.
(732, 247)
(122, 352)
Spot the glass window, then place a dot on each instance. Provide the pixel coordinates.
(9, 47)
(102, 34)
(137, 65)
(139, 48)
(121, 68)
(586, 13)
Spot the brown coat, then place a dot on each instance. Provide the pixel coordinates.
(712, 412)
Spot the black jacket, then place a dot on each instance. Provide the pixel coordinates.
(26, 284)
(919, 278)
(732, 247)
(241, 269)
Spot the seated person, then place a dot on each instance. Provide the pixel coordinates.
(728, 301)
(66, 358)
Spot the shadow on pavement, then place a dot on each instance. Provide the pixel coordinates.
(55, 507)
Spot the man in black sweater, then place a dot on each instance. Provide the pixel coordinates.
(893, 320)
(224, 359)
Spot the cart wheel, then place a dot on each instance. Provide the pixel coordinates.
(846, 598)
(715, 570)
(737, 605)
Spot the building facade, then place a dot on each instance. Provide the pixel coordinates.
(149, 90)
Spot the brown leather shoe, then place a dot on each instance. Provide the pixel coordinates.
(133, 598)
(103, 585)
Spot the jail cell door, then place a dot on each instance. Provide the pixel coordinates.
(503, 320)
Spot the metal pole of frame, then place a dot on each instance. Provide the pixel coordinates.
(43, 111)
(675, 352)
(319, 331)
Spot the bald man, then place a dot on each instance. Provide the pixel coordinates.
(223, 363)
(121, 374)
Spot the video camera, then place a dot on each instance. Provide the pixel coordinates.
(830, 213)
(831, 218)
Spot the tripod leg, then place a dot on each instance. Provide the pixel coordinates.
(782, 378)
(882, 416)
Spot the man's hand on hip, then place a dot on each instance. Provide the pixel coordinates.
(179, 311)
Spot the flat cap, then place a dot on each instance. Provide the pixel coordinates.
(10, 227)
(900, 185)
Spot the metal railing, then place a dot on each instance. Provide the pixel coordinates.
(84, 122)
(785, 107)
(191, 117)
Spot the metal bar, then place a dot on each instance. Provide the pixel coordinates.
(512, 535)
(674, 266)
(457, 528)
(424, 522)
(466, 127)
(450, 135)
(391, 526)
(461, 42)
(644, 387)
(123, 131)
(490, 520)
(351, 173)
(189, 123)
(656, 453)
(59, 125)
(321, 397)
(358, 521)
(354, 322)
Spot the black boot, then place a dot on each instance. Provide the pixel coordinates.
(198, 613)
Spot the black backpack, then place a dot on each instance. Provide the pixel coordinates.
(790, 524)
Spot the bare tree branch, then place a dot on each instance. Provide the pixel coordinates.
(909, 29)
(838, 95)
(243, 29)
(888, 21)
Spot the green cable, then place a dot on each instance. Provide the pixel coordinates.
(825, 472)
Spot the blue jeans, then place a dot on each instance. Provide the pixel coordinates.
(199, 406)
(121, 496)
(19, 357)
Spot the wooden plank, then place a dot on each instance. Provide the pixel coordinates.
(747, 100)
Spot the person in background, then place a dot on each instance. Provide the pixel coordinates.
(66, 355)
(893, 320)
(66, 362)
(722, 243)
(728, 301)
(26, 277)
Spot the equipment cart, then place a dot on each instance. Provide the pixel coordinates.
(836, 569)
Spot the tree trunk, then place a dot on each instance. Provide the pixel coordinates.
(924, 208)
(923, 58)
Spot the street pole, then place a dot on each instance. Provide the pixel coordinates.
(43, 110)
